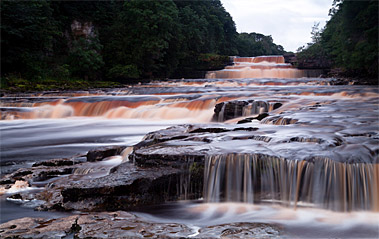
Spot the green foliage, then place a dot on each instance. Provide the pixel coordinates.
(212, 61)
(127, 71)
(350, 38)
(84, 57)
(17, 84)
(130, 39)
(27, 31)
(255, 44)
(142, 36)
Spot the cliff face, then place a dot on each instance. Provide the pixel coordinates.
(309, 63)
(314, 64)
(82, 29)
(290, 58)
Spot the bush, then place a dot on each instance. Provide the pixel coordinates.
(124, 72)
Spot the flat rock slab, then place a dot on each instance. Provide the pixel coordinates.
(109, 185)
(122, 224)
(181, 144)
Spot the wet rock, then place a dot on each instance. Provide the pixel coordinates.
(56, 162)
(125, 187)
(229, 110)
(34, 175)
(237, 108)
(277, 105)
(101, 153)
(250, 119)
(240, 230)
(106, 186)
(122, 224)
(209, 130)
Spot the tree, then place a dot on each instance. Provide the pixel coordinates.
(255, 44)
(85, 59)
(27, 32)
(316, 33)
(349, 39)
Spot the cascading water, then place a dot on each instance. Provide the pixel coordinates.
(316, 144)
(320, 182)
(117, 107)
(258, 67)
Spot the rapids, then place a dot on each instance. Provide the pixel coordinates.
(324, 139)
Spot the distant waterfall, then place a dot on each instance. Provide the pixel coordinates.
(258, 67)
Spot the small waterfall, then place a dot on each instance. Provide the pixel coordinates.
(258, 67)
(320, 182)
(256, 107)
(278, 120)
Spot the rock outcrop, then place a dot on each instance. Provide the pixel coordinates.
(81, 184)
(233, 109)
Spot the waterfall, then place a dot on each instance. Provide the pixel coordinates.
(119, 107)
(258, 67)
(320, 182)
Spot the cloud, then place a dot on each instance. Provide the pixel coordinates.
(289, 22)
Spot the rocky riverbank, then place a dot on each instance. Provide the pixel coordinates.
(122, 224)
(102, 183)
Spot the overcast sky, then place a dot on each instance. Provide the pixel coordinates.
(289, 22)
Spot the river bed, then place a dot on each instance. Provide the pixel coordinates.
(305, 120)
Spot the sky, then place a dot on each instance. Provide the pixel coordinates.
(289, 22)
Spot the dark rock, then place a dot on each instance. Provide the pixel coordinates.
(290, 58)
(22, 173)
(244, 121)
(246, 129)
(101, 153)
(7, 181)
(237, 108)
(261, 116)
(45, 175)
(16, 196)
(209, 130)
(55, 163)
(229, 110)
(250, 119)
(147, 158)
(126, 187)
(277, 105)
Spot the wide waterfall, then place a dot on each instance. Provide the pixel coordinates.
(255, 178)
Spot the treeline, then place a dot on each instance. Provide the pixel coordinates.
(348, 42)
(120, 40)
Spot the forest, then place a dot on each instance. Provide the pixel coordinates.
(349, 41)
(121, 40)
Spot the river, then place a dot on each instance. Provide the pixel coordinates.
(308, 117)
